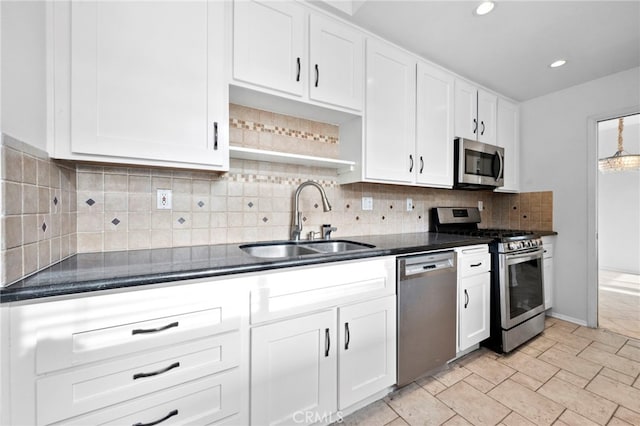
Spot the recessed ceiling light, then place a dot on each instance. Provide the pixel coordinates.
(558, 63)
(485, 7)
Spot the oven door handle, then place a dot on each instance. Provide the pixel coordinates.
(523, 257)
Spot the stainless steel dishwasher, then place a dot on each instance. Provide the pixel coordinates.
(427, 295)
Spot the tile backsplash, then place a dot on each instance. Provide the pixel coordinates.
(38, 210)
(53, 209)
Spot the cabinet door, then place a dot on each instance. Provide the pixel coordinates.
(390, 114)
(466, 110)
(268, 44)
(507, 137)
(547, 268)
(294, 369)
(487, 113)
(473, 304)
(367, 348)
(147, 82)
(336, 63)
(434, 127)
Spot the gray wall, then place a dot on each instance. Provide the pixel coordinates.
(554, 135)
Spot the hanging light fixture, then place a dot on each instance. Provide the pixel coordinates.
(620, 161)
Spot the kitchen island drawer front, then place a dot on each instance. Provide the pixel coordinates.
(203, 401)
(81, 390)
(473, 264)
(102, 327)
(283, 294)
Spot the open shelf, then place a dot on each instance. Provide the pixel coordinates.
(286, 158)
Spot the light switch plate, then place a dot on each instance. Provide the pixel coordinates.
(367, 203)
(164, 199)
(480, 205)
(409, 204)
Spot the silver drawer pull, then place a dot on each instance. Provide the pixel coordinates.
(154, 330)
(168, 416)
(155, 373)
(476, 264)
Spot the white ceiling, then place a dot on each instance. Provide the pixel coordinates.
(509, 50)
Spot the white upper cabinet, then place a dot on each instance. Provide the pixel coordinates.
(269, 45)
(276, 48)
(336, 54)
(508, 138)
(475, 113)
(389, 114)
(141, 83)
(434, 127)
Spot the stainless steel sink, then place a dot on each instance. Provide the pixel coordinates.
(286, 249)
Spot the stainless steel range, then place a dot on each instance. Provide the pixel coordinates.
(517, 289)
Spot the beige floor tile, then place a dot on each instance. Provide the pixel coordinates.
(540, 343)
(637, 383)
(527, 381)
(615, 362)
(515, 419)
(431, 385)
(473, 405)
(618, 422)
(529, 351)
(535, 407)
(457, 421)
(530, 366)
(571, 418)
(631, 352)
(578, 366)
(568, 349)
(604, 348)
(617, 376)
(479, 383)
(376, 414)
(549, 321)
(617, 392)
(579, 400)
(453, 375)
(418, 407)
(398, 422)
(569, 326)
(490, 369)
(634, 342)
(581, 382)
(564, 336)
(601, 335)
(628, 416)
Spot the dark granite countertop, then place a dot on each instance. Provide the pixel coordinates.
(102, 271)
(545, 233)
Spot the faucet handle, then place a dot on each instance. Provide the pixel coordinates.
(327, 229)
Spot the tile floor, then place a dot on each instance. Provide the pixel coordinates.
(569, 375)
(619, 302)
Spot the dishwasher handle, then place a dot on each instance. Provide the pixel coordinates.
(425, 264)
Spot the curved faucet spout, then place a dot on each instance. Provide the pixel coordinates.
(296, 228)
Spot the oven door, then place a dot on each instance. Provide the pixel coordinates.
(521, 286)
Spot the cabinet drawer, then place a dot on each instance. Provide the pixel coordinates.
(203, 401)
(85, 389)
(74, 332)
(474, 264)
(282, 294)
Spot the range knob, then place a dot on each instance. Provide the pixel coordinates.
(513, 246)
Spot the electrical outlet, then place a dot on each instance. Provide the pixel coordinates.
(409, 204)
(367, 203)
(164, 199)
(480, 205)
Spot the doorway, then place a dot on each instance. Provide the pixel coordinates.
(619, 231)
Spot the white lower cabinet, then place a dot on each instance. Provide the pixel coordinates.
(474, 295)
(548, 274)
(306, 367)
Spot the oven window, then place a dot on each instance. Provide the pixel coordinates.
(480, 163)
(525, 287)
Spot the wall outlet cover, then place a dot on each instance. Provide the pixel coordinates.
(164, 199)
(367, 203)
(409, 204)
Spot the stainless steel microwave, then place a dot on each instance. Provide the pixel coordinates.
(477, 165)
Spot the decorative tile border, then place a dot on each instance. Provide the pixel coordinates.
(278, 130)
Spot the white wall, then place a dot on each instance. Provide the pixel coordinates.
(554, 134)
(23, 74)
(619, 201)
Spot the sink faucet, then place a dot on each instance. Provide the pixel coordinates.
(296, 228)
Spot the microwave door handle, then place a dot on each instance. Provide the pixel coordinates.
(501, 165)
